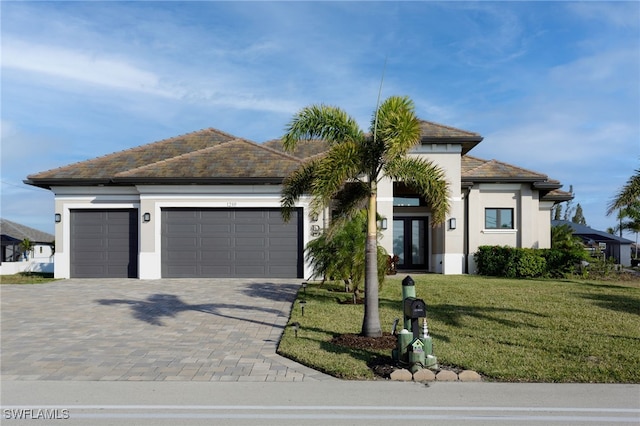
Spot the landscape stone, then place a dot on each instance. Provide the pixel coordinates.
(447, 376)
(424, 375)
(402, 375)
(469, 376)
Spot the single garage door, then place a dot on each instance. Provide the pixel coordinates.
(228, 243)
(104, 243)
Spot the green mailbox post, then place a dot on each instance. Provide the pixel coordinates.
(414, 349)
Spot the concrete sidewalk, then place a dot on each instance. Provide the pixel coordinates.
(148, 330)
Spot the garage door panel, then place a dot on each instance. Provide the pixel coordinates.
(104, 243)
(250, 242)
(216, 228)
(182, 228)
(232, 243)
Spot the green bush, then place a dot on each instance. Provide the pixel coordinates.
(530, 263)
(511, 262)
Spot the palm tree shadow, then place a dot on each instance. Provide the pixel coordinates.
(453, 314)
(615, 302)
(157, 306)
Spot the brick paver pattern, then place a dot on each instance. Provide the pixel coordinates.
(170, 329)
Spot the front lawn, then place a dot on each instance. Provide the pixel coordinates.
(26, 278)
(505, 329)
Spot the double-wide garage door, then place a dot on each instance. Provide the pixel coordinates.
(241, 243)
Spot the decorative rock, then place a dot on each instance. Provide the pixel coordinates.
(469, 376)
(447, 376)
(424, 375)
(402, 375)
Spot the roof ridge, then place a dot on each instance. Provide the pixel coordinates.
(137, 149)
(220, 146)
(520, 168)
(484, 162)
(167, 160)
(450, 127)
(24, 230)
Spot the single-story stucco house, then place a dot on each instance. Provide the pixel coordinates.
(207, 204)
(610, 245)
(13, 259)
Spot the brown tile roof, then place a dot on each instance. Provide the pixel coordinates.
(431, 130)
(477, 169)
(236, 159)
(210, 155)
(107, 166)
(303, 150)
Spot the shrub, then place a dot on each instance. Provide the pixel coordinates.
(530, 263)
(511, 262)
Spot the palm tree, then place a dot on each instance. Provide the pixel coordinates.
(355, 163)
(627, 195)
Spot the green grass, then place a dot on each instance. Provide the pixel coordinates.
(507, 330)
(27, 278)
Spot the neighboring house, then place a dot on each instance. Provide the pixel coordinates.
(596, 241)
(13, 259)
(207, 204)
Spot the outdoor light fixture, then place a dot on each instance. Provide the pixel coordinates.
(296, 327)
(58, 217)
(383, 223)
(146, 217)
(302, 305)
(304, 287)
(452, 223)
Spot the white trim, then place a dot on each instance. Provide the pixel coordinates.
(500, 231)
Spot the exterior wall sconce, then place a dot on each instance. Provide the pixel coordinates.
(452, 223)
(146, 217)
(57, 217)
(383, 223)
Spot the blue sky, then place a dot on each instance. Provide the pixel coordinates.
(551, 86)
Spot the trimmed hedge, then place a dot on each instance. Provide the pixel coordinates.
(511, 262)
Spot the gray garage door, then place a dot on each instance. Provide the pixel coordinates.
(104, 243)
(229, 243)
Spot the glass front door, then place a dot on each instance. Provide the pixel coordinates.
(410, 242)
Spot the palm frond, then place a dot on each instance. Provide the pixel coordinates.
(627, 195)
(398, 127)
(425, 178)
(324, 122)
(295, 186)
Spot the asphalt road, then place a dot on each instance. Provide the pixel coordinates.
(315, 403)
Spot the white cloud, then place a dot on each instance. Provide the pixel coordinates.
(80, 67)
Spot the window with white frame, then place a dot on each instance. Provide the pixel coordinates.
(495, 218)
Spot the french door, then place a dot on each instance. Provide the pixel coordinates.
(410, 242)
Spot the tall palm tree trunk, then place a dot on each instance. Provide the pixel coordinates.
(371, 322)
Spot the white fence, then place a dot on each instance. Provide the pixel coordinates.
(11, 268)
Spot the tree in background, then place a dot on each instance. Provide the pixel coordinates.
(362, 160)
(568, 211)
(627, 202)
(557, 212)
(627, 195)
(578, 217)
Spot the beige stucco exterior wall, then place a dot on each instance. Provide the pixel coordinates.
(532, 218)
(447, 244)
(94, 197)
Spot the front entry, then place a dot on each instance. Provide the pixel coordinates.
(410, 242)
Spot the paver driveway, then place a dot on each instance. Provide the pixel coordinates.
(170, 329)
